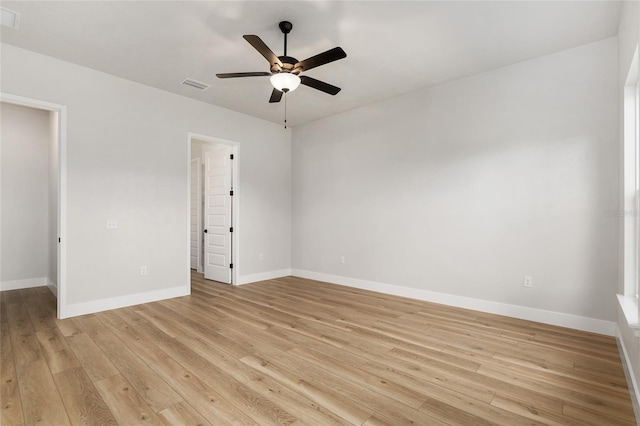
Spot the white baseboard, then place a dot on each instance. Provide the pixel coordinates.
(634, 386)
(531, 314)
(94, 306)
(53, 287)
(19, 284)
(262, 276)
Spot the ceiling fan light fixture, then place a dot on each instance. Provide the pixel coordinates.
(285, 81)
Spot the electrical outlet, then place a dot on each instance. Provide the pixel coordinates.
(112, 224)
(342, 260)
(143, 270)
(528, 281)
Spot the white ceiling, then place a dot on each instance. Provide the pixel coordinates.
(392, 47)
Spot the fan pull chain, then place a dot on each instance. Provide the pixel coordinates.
(285, 110)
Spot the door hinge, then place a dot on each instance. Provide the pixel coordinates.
(231, 265)
(231, 229)
(231, 192)
(231, 156)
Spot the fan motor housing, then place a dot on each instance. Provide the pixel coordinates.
(288, 64)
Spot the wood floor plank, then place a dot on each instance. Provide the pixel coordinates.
(205, 400)
(81, 399)
(477, 413)
(56, 351)
(69, 326)
(240, 333)
(126, 405)
(355, 353)
(24, 342)
(323, 396)
(414, 375)
(332, 381)
(93, 360)
(456, 414)
(561, 382)
(613, 408)
(430, 357)
(532, 412)
(596, 371)
(155, 391)
(367, 380)
(40, 314)
(255, 406)
(566, 378)
(298, 406)
(3, 312)
(292, 351)
(208, 402)
(39, 396)
(183, 414)
(11, 413)
(593, 416)
(432, 377)
(41, 400)
(11, 296)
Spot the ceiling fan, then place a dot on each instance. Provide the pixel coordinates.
(286, 70)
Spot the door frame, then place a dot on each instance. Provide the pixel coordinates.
(235, 202)
(198, 163)
(62, 189)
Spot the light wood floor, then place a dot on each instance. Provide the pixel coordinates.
(294, 351)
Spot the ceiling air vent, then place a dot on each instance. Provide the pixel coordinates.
(196, 84)
(10, 18)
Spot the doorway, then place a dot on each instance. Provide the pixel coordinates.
(34, 196)
(213, 208)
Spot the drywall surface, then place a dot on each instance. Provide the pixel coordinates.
(127, 162)
(466, 187)
(24, 193)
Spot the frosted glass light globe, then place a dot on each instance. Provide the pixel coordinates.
(285, 82)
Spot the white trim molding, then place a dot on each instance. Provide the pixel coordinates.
(20, 284)
(263, 276)
(94, 306)
(634, 386)
(522, 312)
(629, 307)
(53, 287)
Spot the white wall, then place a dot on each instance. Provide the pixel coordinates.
(464, 188)
(24, 195)
(628, 38)
(127, 161)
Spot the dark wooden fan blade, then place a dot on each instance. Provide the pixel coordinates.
(264, 50)
(321, 59)
(243, 74)
(276, 95)
(319, 85)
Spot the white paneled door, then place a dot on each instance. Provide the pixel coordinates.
(217, 213)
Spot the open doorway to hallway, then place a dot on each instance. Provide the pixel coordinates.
(33, 196)
(213, 208)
